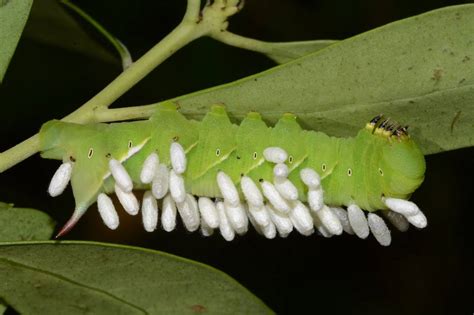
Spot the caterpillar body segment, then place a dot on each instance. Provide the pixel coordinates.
(237, 165)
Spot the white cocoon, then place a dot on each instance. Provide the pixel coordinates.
(120, 175)
(228, 189)
(274, 197)
(60, 179)
(168, 214)
(275, 155)
(160, 183)
(107, 211)
(149, 212)
(251, 192)
(128, 200)
(176, 186)
(150, 166)
(178, 158)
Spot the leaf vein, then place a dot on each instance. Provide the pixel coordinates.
(73, 282)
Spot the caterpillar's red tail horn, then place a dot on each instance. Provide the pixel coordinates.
(78, 213)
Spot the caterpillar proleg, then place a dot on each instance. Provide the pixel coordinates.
(220, 175)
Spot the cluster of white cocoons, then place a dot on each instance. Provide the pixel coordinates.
(271, 207)
(406, 209)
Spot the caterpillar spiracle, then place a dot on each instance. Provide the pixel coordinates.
(219, 175)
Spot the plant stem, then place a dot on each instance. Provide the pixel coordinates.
(178, 38)
(187, 31)
(19, 152)
(126, 113)
(244, 42)
(212, 21)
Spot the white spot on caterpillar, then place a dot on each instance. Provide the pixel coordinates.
(358, 221)
(405, 207)
(149, 169)
(275, 155)
(260, 214)
(251, 192)
(274, 197)
(149, 212)
(208, 212)
(128, 200)
(120, 175)
(344, 219)
(133, 150)
(160, 183)
(237, 218)
(397, 220)
(379, 229)
(90, 153)
(107, 211)
(224, 226)
(280, 170)
(176, 186)
(168, 214)
(286, 188)
(310, 178)
(60, 179)
(178, 158)
(301, 218)
(330, 221)
(316, 199)
(228, 189)
(188, 210)
(282, 221)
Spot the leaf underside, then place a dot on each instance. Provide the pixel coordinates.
(81, 277)
(13, 16)
(289, 51)
(22, 224)
(418, 71)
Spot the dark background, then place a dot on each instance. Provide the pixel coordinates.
(422, 272)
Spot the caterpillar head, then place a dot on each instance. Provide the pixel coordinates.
(402, 164)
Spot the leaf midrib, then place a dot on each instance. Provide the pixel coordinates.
(72, 282)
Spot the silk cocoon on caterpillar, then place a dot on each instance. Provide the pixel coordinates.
(219, 175)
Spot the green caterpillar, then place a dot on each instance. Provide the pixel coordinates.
(279, 178)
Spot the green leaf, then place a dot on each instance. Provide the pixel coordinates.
(419, 71)
(82, 277)
(13, 16)
(21, 224)
(288, 51)
(3, 308)
(50, 24)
